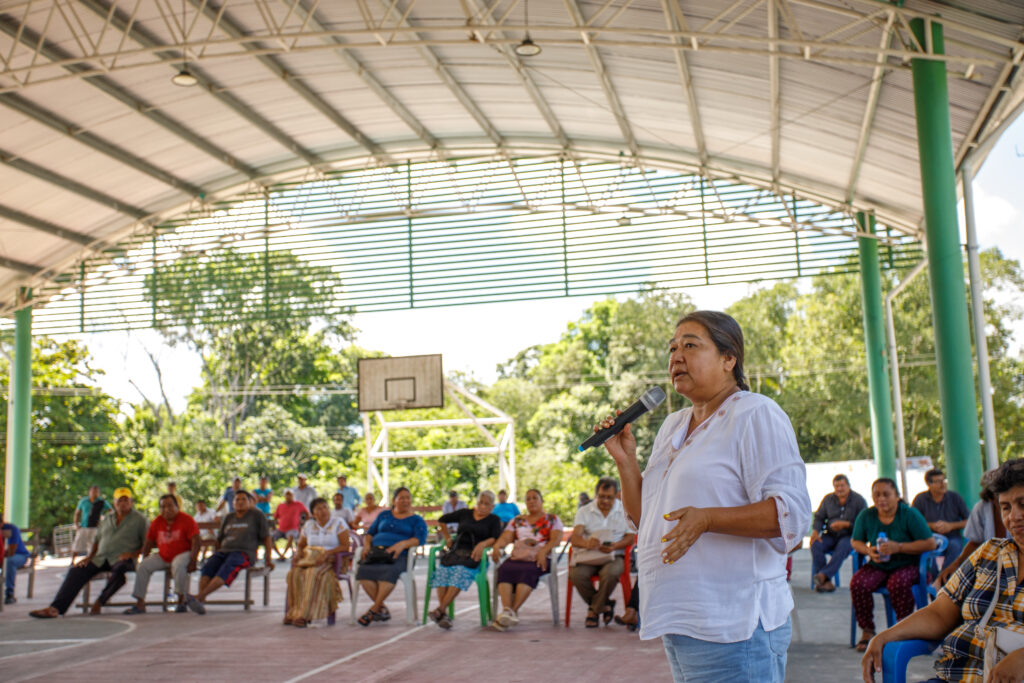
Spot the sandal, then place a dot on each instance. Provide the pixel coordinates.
(382, 615)
(436, 614)
(591, 620)
(862, 645)
(301, 623)
(609, 612)
(367, 618)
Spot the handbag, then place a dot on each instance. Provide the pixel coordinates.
(378, 554)
(311, 556)
(524, 550)
(999, 641)
(458, 557)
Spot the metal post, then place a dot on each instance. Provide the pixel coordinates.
(894, 371)
(945, 265)
(19, 416)
(988, 420)
(874, 345)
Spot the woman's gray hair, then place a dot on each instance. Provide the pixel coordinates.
(488, 495)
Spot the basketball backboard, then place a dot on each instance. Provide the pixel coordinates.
(400, 383)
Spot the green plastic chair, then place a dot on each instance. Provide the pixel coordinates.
(483, 588)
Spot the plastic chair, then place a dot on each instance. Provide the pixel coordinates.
(551, 578)
(408, 581)
(339, 562)
(627, 588)
(897, 654)
(483, 588)
(923, 593)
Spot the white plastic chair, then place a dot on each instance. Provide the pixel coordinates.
(551, 578)
(408, 579)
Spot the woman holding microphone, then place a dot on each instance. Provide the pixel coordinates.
(721, 502)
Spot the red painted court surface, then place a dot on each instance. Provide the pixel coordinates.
(229, 644)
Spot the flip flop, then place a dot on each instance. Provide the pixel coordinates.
(862, 646)
(609, 612)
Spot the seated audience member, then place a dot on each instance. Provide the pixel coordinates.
(176, 537)
(14, 555)
(893, 562)
(456, 570)
(534, 535)
(350, 495)
(944, 510)
(385, 550)
(239, 538)
(87, 517)
(313, 589)
(631, 617)
(505, 510)
(451, 505)
(831, 532)
(366, 515)
(600, 535)
(204, 515)
(119, 539)
(263, 494)
(289, 515)
(583, 499)
(965, 601)
(227, 500)
(303, 492)
(984, 522)
(172, 490)
(342, 512)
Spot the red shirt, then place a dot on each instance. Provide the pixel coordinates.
(174, 538)
(289, 515)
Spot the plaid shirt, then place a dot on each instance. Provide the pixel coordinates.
(971, 588)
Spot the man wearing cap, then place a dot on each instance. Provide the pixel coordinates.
(289, 515)
(451, 505)
(176, 537)
(304, 493)
(239, 538)
(119, 538)
(227, 502)
(349, 494)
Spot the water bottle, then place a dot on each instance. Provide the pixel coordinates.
(882, 538)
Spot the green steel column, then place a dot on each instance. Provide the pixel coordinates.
(19, 417)
(874, 344)
(945, 267)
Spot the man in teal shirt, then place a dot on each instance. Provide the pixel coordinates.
(119, 539)
(505, 510)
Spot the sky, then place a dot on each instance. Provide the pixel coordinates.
(475, 339)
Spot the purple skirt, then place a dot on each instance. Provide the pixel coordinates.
(520, 571)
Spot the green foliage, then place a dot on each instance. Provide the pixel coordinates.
(73, 432)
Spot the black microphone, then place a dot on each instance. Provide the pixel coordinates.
(651, 399)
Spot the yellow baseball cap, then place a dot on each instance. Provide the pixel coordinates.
(121, 492)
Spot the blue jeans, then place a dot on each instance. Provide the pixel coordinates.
(761, 658)
(11, 567)
(828, 544)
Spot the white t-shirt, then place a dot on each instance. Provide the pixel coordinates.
(345, 514)
(208, 516)
(304, 495)
(718, 591)
(324, 536)
(608, 529)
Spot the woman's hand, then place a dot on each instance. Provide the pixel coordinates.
(395, 550)
(478, 551)
(693, 522)
(366, 551)
(872, 659)
(888, 547)
(622, 446)
(295, 558)
(874, 554)
(1009, 670)
(542, 562)
(496, 554)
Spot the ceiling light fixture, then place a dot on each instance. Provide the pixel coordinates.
(184, 78)
(527, 48)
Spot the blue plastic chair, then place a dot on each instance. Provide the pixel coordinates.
(923, 593)
(897, 655)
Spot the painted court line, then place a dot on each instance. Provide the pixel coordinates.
(394, 639)
(70, 642)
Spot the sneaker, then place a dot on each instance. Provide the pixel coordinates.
(9, 599)
(504, 620)
(134, 609)
(195, 605)
(181, 608)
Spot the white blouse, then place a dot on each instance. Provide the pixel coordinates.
(718, 591)
(325, 536)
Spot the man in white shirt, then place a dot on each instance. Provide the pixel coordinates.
(600, 535)
(304, 493)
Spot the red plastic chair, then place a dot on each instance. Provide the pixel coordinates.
(627, 587)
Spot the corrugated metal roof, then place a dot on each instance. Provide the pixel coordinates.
(360, 84)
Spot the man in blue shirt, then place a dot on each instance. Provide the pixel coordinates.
(505, 510)
(15, 557)
(227, 501)
(348, 493)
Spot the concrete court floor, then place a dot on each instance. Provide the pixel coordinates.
(229, 644)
